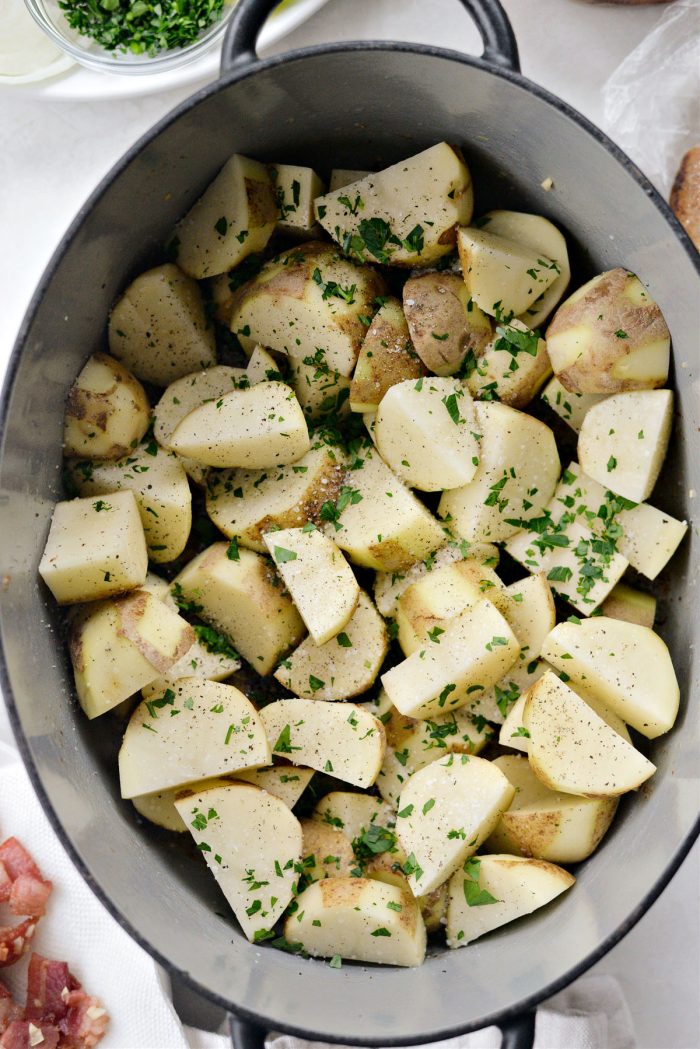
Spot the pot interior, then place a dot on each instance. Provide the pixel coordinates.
(351, 108)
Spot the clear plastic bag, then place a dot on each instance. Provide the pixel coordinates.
(651, 103)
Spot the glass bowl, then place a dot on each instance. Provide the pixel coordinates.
(87, 52)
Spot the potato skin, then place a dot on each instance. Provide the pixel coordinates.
(685, 195)
(436, 304)
(95, 419)
(615, 317)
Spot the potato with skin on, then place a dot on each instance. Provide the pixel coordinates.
(159, 482)
(262, 426)
(95, 549)
(624, 439)
(343, 739)
(352, 813)
(625, 665)
(547, 824)
(476, 650)
(390, 586)
(217, 731)
(573, 750)
(538, 234)
(235, 217)
(307, 298)
(253, 845)
(495, 890)
(331, 851)
(210, 664)
(405, 215)
(249, 503)
(222, 288)
(609, 336)
(516, 477)
(425, 432)
(107, 410)
(321, 582)
(322, 392)
(634, 606)
(504, 277)
(344, 666)
(445, 324)
(451, 806)
(159, 329)
(494, 703)
(387, 357)
(513, 366)
(387, 528)
(571, 407)
(295, 190)
(243, 599)
(344, 916)
(117, 647)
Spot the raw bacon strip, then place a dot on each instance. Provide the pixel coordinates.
(5, 884)
(14, 942)
(85, 1023)
(49, 985)
(29, 895)
(17, 860)
(23, 1034)
(8, 1010)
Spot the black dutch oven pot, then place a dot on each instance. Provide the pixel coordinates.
(358, 105)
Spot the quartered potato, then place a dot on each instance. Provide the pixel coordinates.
(252, 844)
(249, 503)
(634, 606)
(238, 593)
(505, 278)
(261, 367)
(329, 849)
(216, 730)
(623, 441)
(322, 392)
(609, 336)
(352, 813)
(571, 407)
(387, 357)
(361, 919)
(447, 328)
(262, 426)
(321, 582)
(425, 431)
(445, 812)
(389, 586)
(107, 411)
(191, 391)
(341, 177)
(286, 782)
(340, 738)
(234, 217)
(158, 328)
(95, 549)
(405, 215)
(512, 367)
(495, 704)
(493, 890)
(295, 190)
(212, 658)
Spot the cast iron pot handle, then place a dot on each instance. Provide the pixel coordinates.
(500, 48)
(518, 1033)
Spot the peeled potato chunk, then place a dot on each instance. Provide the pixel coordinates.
(609, 336)
(626, 665)
(623, 441)
(217, 730)
(286, 782)
(512, 367)
(259, 427)
(249, 503)
(295, 189)
(359, 919)
(495, 703)
(322, 391)
(341, 177)
(352, 813)
(107, 411)
(159, 329)
(261, 367)
(547, 824)
(446, 326)
(321, 582)
(504, 277)
(425, 432)
(234, 217)
(446, 810)
(340, 738)
(573, 750)
(237, 592)
(159, 482)
(389, 586)
(191, 391)
(95, 548)
(117, 647)
(252, 844)
(475, 651)
(386, 358)
(634, 606)
(344, 666)
(516, 477)
(382, 524)
(494, 890)
(405, 215)
(330, 851)
(571, 407)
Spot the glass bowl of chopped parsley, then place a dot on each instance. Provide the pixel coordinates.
(132, 36)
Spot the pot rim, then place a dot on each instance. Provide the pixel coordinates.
(239, 73)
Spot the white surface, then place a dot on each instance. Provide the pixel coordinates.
(51, 156)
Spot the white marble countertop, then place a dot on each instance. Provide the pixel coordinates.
(53, 153)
